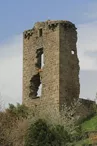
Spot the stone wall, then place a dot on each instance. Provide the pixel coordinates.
(60, 73)
(49, 41)
(69, 65)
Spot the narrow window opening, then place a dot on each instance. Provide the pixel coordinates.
(40, 58)
(40, 32)
(72, 52)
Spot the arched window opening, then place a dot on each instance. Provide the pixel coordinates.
(72, 52)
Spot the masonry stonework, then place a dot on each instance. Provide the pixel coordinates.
(59, 76)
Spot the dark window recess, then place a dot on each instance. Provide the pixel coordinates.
(39, 53)
(40, 32)
(34, 86)
(35, 82)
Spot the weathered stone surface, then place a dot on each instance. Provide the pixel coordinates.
(60, 74)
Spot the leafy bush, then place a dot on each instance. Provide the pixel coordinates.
(41, 134)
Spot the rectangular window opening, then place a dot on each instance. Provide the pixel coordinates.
(40, 32)
(42, 60)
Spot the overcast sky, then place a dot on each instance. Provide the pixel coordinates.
(19, 15)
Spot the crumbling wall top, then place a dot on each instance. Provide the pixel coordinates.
(51, 24)
(59, 22)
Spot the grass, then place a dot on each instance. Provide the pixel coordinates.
(87, 126)
(81, 142)
(90, 125)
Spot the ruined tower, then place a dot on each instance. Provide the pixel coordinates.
(50, 60)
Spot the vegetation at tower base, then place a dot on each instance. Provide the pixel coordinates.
(40, 134)
(12, 121)
(19, 127)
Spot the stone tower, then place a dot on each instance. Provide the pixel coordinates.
(52, 43)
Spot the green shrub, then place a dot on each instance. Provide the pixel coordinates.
(77, 134)
(18, 111)
(41, 134)
(13, 125)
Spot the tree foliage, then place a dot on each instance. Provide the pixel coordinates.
(40, 134)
